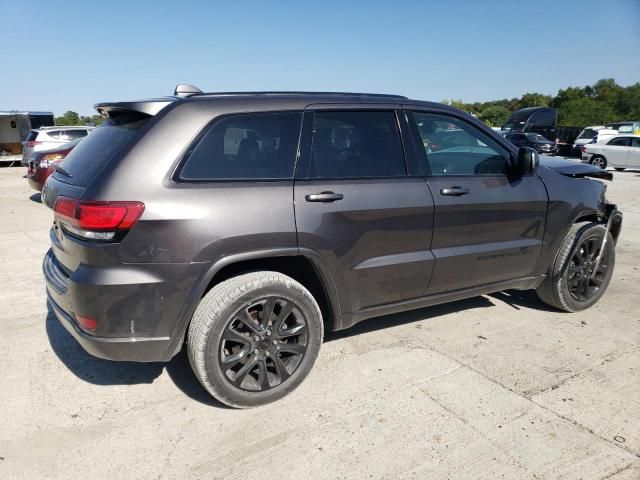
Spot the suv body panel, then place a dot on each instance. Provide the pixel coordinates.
(374, 251)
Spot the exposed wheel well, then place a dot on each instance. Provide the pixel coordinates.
(298, 267)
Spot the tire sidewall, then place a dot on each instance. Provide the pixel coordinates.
(562, 282)
(308, 307)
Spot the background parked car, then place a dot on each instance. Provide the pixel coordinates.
(46, 138)
(533, 140)
(594, 134)
(619, 152)
(41, 163)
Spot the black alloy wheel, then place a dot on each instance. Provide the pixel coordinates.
(263, 344)
(583, 283)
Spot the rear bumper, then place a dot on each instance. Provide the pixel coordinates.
(132, 349)
(139, 309)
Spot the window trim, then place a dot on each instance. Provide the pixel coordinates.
(410, 110)
(303, 166)
(184, 156)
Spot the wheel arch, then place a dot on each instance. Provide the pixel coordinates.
(303, 265)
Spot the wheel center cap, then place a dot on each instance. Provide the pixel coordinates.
(265, 344)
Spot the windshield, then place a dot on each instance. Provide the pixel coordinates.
(534, 137)
(111, 138)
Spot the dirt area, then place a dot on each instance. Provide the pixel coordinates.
(496, 386)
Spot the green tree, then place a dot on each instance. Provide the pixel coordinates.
(494, 115)
(68, 118)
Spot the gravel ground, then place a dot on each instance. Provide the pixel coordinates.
(490, 387)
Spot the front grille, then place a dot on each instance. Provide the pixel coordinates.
(56, 274)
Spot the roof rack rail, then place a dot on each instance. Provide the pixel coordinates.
(298, 93)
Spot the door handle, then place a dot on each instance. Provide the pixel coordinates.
(454, 191)
(324, 197)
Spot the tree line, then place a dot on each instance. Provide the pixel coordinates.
(597, 104)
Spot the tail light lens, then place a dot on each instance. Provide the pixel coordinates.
(97, 220)
(32, 143)
(87, 323)
(583, 149)
(50, 158)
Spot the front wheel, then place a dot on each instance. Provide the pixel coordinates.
(598, 161)
(575, 281)
(254, 338)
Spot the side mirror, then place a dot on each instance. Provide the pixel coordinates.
(527, 161)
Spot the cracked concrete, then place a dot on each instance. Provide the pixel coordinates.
(491, 387)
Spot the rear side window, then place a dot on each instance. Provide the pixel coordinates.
(356, 144)
(75, 134)
(52, 134)
(636, 142)
(32, 136)
(256, 146)
(107, 141)
(454, 147)
(620, 142)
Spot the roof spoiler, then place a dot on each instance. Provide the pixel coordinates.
(146, 107)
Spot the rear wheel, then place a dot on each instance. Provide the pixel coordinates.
(598, 161)
(571, 284)
(254, 338)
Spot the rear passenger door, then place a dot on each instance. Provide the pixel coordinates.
(617, 151)
(633, 159)
(488, 225)
(359, 209)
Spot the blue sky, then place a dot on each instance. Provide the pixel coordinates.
(68, 55)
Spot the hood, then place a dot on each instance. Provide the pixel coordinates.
(574, 169)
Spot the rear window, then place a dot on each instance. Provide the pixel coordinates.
(588, 133)
(254, 146)
(32, 136)
(113, 137)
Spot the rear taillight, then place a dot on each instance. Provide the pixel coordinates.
(32, 143)
(583, 149)
(87, 323)
(51, 158)
(97, 220)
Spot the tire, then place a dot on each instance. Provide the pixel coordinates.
(558, 288)
(598, 161)
(620, 169)
(231, 324)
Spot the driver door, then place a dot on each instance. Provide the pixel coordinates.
(488, 226)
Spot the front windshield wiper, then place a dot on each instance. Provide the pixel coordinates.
(58, 168)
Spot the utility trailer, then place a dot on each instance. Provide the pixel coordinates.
(15, 127)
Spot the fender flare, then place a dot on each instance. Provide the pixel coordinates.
(214, 267)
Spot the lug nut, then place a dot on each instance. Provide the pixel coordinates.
(256, 338)
(255, 351)
(268, 332)
(267, 353)
(275, 342)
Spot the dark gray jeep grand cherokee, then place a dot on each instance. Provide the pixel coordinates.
(245, 224)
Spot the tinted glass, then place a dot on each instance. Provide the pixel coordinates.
(52, 134)
(620, 142)
(75, 134)
(588, 133)
(454, 147)
(113, 137)
(636, 142)
(349, 144)
(534, 137)
(32, 136)
(248, 146)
